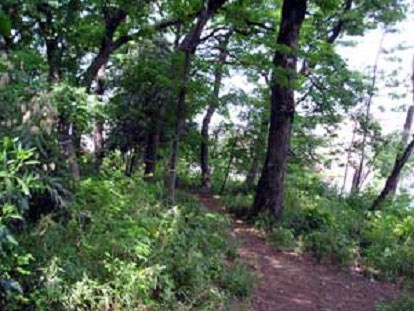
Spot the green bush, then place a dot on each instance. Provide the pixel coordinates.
(403, 304)
(331, 245)
(389, 243)
(238, 205)
(17, 181)
(124, 249)
(282, 238)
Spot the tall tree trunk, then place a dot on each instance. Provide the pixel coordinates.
(179, 126)
(358, 175)
(270, 190)
(187, 48)
(204, 148)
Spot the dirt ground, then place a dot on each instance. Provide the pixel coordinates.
(291, 282)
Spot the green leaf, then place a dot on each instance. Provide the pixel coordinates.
(5, 25)
(24, 186)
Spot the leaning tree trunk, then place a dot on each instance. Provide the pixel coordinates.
(187, 48)
(392, 181)
(270, 190)
(204, 148)
(407, 126)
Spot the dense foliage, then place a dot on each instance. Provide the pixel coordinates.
(113, 112)
(122, 249)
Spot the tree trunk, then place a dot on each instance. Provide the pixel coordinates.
(407, 127)
(392, 180)
(65, 130)
(348, 159)
(258, 144)
(204, 148)
(270, 190)
(357, 179)
(231, 157)
(253, 172)
(4, 55)
(187, 47)
(54, 55)
(179, 126)
(151, 150)
(98, 136)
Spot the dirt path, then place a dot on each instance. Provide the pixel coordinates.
(288, 282)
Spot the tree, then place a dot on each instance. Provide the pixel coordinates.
(218, 75)
(402, 158)
(358, 175)
(187, 49)
(407, 128)
(270, 190)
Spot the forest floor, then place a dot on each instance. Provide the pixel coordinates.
(292, 282)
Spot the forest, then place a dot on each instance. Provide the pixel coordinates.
(206, 155)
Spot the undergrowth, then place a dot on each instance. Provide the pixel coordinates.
(403, 304)
(123, 249)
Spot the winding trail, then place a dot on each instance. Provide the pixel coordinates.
(289, 282)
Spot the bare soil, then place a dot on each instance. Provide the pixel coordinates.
(292, 282)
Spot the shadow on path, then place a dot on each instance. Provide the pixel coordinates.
(289, 282)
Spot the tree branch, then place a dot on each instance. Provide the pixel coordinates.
(338, 28)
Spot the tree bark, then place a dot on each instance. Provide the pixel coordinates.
(204, 148)
(270, 190)
(187, 48)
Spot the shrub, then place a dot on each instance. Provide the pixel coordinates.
(123, 249)
(17, 181)
(238, 205)
(403, 304)
(282, 238)
(332, 245)
(389, 243)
